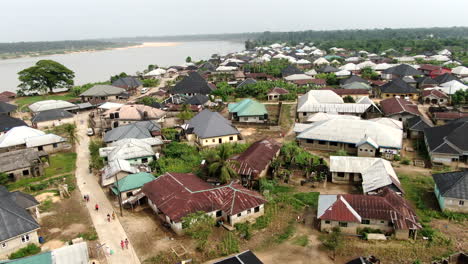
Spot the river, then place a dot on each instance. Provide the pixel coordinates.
(97, 66)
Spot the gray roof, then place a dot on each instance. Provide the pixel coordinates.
(444, 139)
(103, 90)
(7, 108)
(418, 123)
(24, 200)
(139, 130)
(452, 184)
(18, 159)
(207, 124)
(15, 219)
(54, 114)
(127, 82)
(7, 122)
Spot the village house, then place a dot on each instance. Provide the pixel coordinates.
(173, 196)
(21, 163)
(445, 78)
(135, 151)
(317, 117)
(398, 87)
(247, 81)
(372, 173)
(364, 138)
(26, 137)
(7, 96)
(130, 84)
(52, 118)
(193, 84)
(116, 170)
(131, 113)
(138, 130)
(249, 111)
(290, 70)
(356, 94)
(442, 118)
(254, 162)
(386, 211)
(434, 97)
(7, 122)
(447, 144)
(415, 126)
(275, 93)
(451, 191)
(399, 109)
(425, 82)
(19, 226)
(326, 101)
(6, 108)
(210, 129)
(130, 185)
(400, 71)
(353, 79)
(102, 93)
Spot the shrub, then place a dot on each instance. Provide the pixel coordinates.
(244, 230)
(286, 234)
(406, 161)
(229, 245)
(396, 158)
(29, 250)
(90, 235)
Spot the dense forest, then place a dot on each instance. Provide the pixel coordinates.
(52, 47)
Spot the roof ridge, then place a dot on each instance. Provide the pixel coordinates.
(13, 213)
(463, 175)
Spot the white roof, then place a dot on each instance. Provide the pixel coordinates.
(295, 77)
(349, 67)
(320, 61)
(226, 68)
(352, 59)
(460, 70)
(303, 61)
(116, 166)
(327, 116)
(445, 52)
(129, 148)
(311, 72)
(365, 64)
(382, 66)
(76, 253)
(109, 105)
(49, 105)
(376, 172)
(318, 97)
(353, 131)
(440, 58)
(29, 136)
(388, 122)
(328, 101)
(343, 73)
(452, 86)
(156, 72)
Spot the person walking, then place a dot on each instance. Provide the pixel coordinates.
(126, 243)
(108, 217)
(122, 244)
(96, 207)
(113, 215)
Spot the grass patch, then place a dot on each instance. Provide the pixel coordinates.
(61, 163)
(22, 102)
(90, 235)
(310, 198)
(288, 232)
(46, 205)
(29, 250)
(285, 117)
(302, 241)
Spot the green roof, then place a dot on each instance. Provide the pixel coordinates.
(248, 107)
(132, 182)
(43, 258)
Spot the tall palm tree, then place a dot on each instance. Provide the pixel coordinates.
(219, 165)
(71, 133)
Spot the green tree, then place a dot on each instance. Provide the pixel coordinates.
(219, 165)
(147, 100)
(4, 179)
(199, 226)
(223, 90)
(150, 82)
(188, 59)
(70, 132)
(45, 76)
(348, 99)
(185, 113)
(369, 73)
(333, 241)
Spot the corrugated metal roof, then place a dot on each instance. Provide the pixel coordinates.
(72, 254)
(248, 107)
(257, 157)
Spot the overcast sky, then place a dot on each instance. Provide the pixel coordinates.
(34, 20)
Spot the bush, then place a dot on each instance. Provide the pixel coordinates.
(229, 245)
(29, 250)
(340, 152)
(150, 82)
(170, 133)
(90, 235)
(244, 230)
(406, 161)
(396, 158)
(286, 234)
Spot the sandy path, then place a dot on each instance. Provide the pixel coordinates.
(111, 233)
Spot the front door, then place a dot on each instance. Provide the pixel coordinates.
(220, 141)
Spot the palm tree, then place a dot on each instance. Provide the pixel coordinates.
(71, 133)
(219, 165)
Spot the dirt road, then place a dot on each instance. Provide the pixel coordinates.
(110, 234)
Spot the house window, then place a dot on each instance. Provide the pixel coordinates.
(365, 150)
(341, 174)
(304, 114)
(311, 141)
(382, 222)
(239, 214)
(257, 209)
(365, 221)
(214, 140)
(371, 150)
(461, 202)
(4, 245)
(246, 119)
(40, 148)
(144, 160)
(25, 238)
(206, 141)
(343, 224)
(333, 143)
(321, 142)
(219, 213)
(55, 145)
(249, 211)
(231, 138)
(360, 149)
(25, 172)
(327, 222)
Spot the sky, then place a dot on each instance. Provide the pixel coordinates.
(48, 20)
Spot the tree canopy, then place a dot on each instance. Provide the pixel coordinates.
(44, 77)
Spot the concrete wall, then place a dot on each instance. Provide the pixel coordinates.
(366, 150)
(353, 226)
(328, 146)
(54, 123)
(346, 178)
(451, 204)
(391, 95)
(31, 172)
(444, 158)
(216, 140)
(50, 149)
(139, 160)
(16, 243)
(247, 215)
(104, 98)
(252, 119)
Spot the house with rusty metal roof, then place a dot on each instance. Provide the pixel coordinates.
(174, 196)
(399, 109)
(386, 211)
(253, 163)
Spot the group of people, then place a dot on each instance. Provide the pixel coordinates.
(124, 244)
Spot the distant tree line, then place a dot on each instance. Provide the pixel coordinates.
(46, 46)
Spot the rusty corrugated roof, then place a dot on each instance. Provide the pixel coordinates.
(256, 158)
